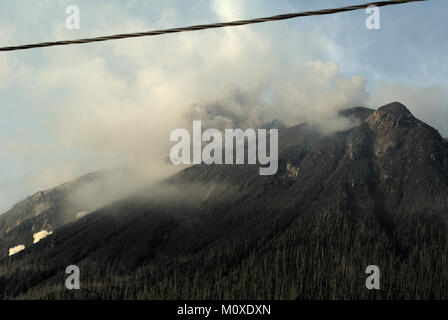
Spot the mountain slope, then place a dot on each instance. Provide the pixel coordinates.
(50, 209)
(374, 194)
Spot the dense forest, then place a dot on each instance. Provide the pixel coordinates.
(318, 257)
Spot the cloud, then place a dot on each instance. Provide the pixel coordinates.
(227, 10)
(315, 91)
(99, 106)
(316, 96)
(232, 107)
(123, 117)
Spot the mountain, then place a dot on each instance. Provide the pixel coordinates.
(376, 194)
(47, 210)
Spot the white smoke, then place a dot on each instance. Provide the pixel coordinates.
(41, 235)
(116, 104)
(16, 249)
(81, 214)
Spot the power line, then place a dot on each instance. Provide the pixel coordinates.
(207, 26)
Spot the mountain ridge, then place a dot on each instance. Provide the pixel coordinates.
(51, 208)
(373, 194)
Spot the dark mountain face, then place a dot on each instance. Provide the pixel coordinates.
(50, 209)
(374, 194)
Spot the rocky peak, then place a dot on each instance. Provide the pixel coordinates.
(391, 115)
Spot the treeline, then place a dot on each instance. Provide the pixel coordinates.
(319, 256)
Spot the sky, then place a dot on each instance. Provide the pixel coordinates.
(67, 111)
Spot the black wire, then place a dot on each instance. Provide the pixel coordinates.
(207, 26)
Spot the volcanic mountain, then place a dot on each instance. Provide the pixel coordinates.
(376, 194)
